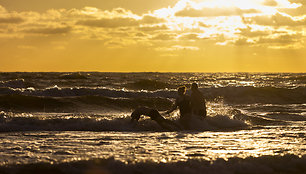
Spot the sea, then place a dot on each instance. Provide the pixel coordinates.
(79, 122)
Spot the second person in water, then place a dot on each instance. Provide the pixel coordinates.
(189, 105)
(184, 105)
(198, 101)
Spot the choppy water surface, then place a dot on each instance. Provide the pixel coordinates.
(33, 147)
(59, 118)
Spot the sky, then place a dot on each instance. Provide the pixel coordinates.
(153, 35)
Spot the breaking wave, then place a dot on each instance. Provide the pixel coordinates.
(95, 122)
(76, 103)
(287, 164)
(17, 83)
(148, 84)
(230, 94)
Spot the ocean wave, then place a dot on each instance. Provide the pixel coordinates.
(148, 84)
(56, 91)
(299, 77)
(71, 122)
(76, 75)
(26, 103)
(258, 94)
(287, 164)
(229, 94)
(256, 120)
(17, 83)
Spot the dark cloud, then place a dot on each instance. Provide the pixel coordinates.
(241, 42)
(49, 30)
(11, 20)
(109, 23)
(300, 11)
(190, 36)
(281, 39)
(201, 24)
(140, 35)
(154, 28)
(249, 33)
(212, 12)
(275, 40)
(275, 20)
(120, 22)
(303, 2)
(164, 37)
(119, 34)
(147, 19)
(272, 3)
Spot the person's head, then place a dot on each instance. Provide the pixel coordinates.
(135, 117)
(194, 86)
(181, 90)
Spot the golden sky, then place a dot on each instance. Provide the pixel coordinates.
(153, 35)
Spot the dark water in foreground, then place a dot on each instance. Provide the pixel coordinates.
(79, 123)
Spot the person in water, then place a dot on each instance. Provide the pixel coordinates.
(154, 115)
(197, 101)
(184, 104)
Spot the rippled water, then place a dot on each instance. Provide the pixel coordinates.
(63, 118)
(33, 147)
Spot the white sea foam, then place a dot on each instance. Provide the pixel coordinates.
(107, 123)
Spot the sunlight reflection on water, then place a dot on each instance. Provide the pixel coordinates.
(32, 147)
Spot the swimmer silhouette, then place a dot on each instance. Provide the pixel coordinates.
(198, 104)
(184, 105)
(154, 115)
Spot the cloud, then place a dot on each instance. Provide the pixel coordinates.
(272, 3)
(202, 24)
(11, 20)
(153, 28)
(242, 42)
(277, 40)
(140, 34)
(163, 36)
(299, 11)
(120, 18)
(277, 19)
(213, 12)
(95, 13)
(189, 36)
(119, 34)
(284, 39)
(249, 32)
(116, 18)
(185, 23)
(49, 30)
(178, 48)
(109, 22)
(148, 19)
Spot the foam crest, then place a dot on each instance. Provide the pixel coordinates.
(88, 123)
(287, 164)
(229, 94)
(17, 83)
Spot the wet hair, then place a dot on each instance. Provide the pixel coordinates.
(194, 86)
(181, 90)
(135, 116)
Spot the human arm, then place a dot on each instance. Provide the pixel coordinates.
(172, 109)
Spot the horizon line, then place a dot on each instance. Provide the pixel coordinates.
(151, 72)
